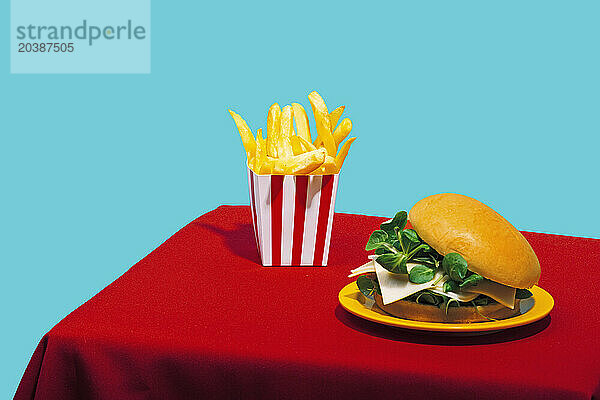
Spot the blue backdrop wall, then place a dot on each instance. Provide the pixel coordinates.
(497, 100)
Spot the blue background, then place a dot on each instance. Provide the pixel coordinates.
(495, 100)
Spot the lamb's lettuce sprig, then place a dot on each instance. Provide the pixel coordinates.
(455, 266)
(396, 246)
(368, 285)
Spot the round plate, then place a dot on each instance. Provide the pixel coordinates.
(533, 309)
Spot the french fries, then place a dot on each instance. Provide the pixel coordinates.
(308, 146)
(289, 151)
(335, 115)
(301, 121)
(323, 123)
(284, 146)
(341, 155)
(260, 153)
(245, 133)
(297, 146)
(306, 163)
(342, 131)
(328, 167)
(273, 128)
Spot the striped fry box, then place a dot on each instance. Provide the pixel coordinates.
(292, 217)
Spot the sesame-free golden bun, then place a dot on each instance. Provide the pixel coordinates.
(492, 247)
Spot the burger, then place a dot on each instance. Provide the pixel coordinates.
(460, 262)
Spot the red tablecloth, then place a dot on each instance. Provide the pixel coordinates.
(200, 318)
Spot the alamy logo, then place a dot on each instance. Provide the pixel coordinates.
(85, 31)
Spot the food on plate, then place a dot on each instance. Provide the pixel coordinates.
(461, 262)
(289, 151)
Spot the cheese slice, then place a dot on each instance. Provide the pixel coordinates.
(395, 287)
(363, 269)
(503, 294)
(370, 267)
(460, 296)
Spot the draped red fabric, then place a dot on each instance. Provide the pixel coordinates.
(199, 317)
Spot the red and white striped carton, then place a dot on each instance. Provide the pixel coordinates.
(292, 216)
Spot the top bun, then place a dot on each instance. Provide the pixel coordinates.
(493, 248)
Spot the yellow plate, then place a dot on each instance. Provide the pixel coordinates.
(535, 308)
